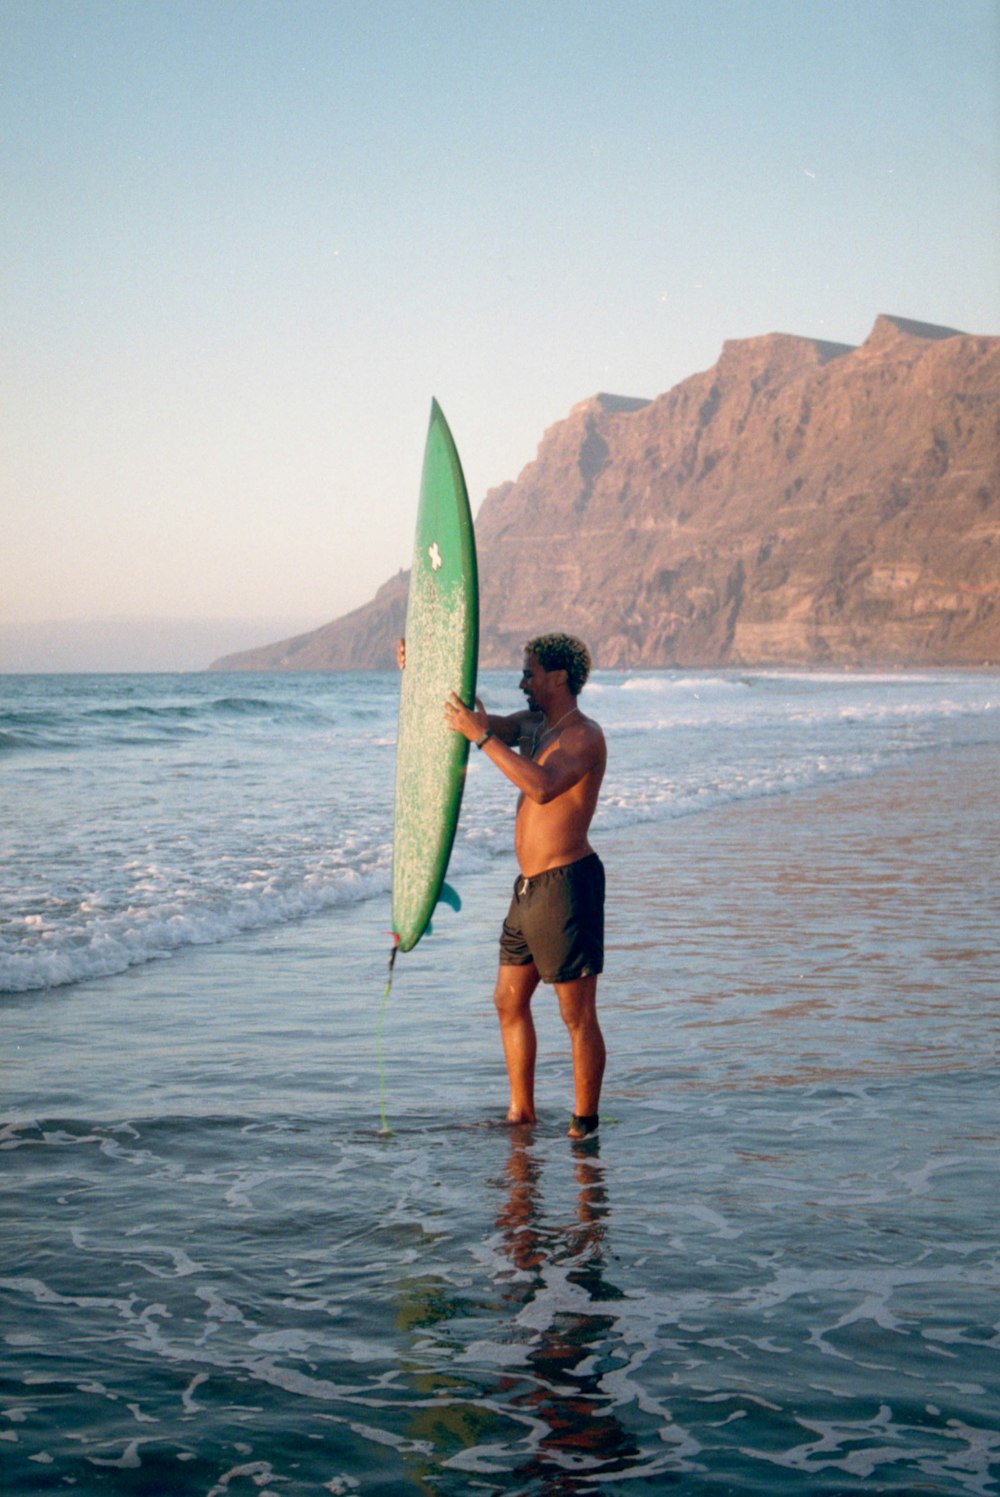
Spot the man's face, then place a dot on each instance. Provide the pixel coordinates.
(533, 682)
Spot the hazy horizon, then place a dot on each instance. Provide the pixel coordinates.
(134, 645)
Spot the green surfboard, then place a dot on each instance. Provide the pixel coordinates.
(442, 644)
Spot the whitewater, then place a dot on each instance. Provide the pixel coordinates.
(146, 814)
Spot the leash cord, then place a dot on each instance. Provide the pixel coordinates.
(378, 1041)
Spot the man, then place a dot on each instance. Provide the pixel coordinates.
(554, 931)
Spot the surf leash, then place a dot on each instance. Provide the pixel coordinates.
(378, 1036)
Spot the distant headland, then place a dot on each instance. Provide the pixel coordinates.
(801, 503)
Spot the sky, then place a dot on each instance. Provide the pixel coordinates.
(244, 242)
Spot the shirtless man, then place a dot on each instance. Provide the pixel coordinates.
(554, 931)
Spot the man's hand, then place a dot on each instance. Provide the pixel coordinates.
(461, 719)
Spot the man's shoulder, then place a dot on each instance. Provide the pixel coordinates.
(586, 734)
(589, 724)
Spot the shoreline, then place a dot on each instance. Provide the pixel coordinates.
(789, 910)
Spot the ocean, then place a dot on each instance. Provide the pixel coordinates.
(264, 1233)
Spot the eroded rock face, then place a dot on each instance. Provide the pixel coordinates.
(799, 503)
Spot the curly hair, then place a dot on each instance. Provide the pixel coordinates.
(562, 652)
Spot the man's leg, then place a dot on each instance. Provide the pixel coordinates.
(578, 1006)
(512, 996)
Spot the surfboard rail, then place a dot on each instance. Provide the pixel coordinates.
(442, 648)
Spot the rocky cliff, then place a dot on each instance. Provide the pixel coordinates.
(800, 503)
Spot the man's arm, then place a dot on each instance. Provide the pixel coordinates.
(510, 729)
(578, 752)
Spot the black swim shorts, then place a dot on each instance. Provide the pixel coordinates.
(556, 920)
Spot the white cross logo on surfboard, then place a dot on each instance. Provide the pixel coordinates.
(437, 560)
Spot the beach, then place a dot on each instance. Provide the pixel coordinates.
(775, 1268)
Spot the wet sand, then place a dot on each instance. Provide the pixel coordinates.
(852, 931)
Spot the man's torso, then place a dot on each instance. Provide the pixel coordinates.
(555, 833)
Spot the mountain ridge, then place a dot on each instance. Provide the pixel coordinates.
(802, 502)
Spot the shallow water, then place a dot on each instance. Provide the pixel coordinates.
(775, 1269)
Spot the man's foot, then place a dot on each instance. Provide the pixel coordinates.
(518, 1115)
(583, 1127)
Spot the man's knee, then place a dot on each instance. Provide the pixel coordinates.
(514, 988)
(578, 1003)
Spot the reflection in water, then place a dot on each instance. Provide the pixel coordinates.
(559, 1293)
(525, 1390)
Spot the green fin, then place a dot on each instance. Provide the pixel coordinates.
(450, 897)
(447, 896)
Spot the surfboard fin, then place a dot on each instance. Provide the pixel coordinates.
(450, 897)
